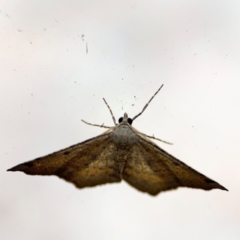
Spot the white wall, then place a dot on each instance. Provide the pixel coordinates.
(48, 83)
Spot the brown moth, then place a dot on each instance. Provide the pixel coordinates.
(121, 152)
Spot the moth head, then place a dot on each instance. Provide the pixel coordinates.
(125, 118)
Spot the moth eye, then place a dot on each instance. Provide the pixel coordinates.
(120, 119)
(130, 121)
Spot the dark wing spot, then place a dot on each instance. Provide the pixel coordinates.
(207, 180)
(66, 153)
(28, 164)
(176, 163)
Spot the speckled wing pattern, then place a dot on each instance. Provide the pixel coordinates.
(86, 164)
(121, 153)
(151, 169)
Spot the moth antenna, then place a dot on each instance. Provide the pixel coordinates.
(147, 103)
(114, 120)
(96, 125)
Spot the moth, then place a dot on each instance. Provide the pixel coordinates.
(120, 153)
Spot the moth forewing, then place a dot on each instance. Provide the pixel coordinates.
(121, 152)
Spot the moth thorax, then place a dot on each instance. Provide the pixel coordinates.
(124, 137)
